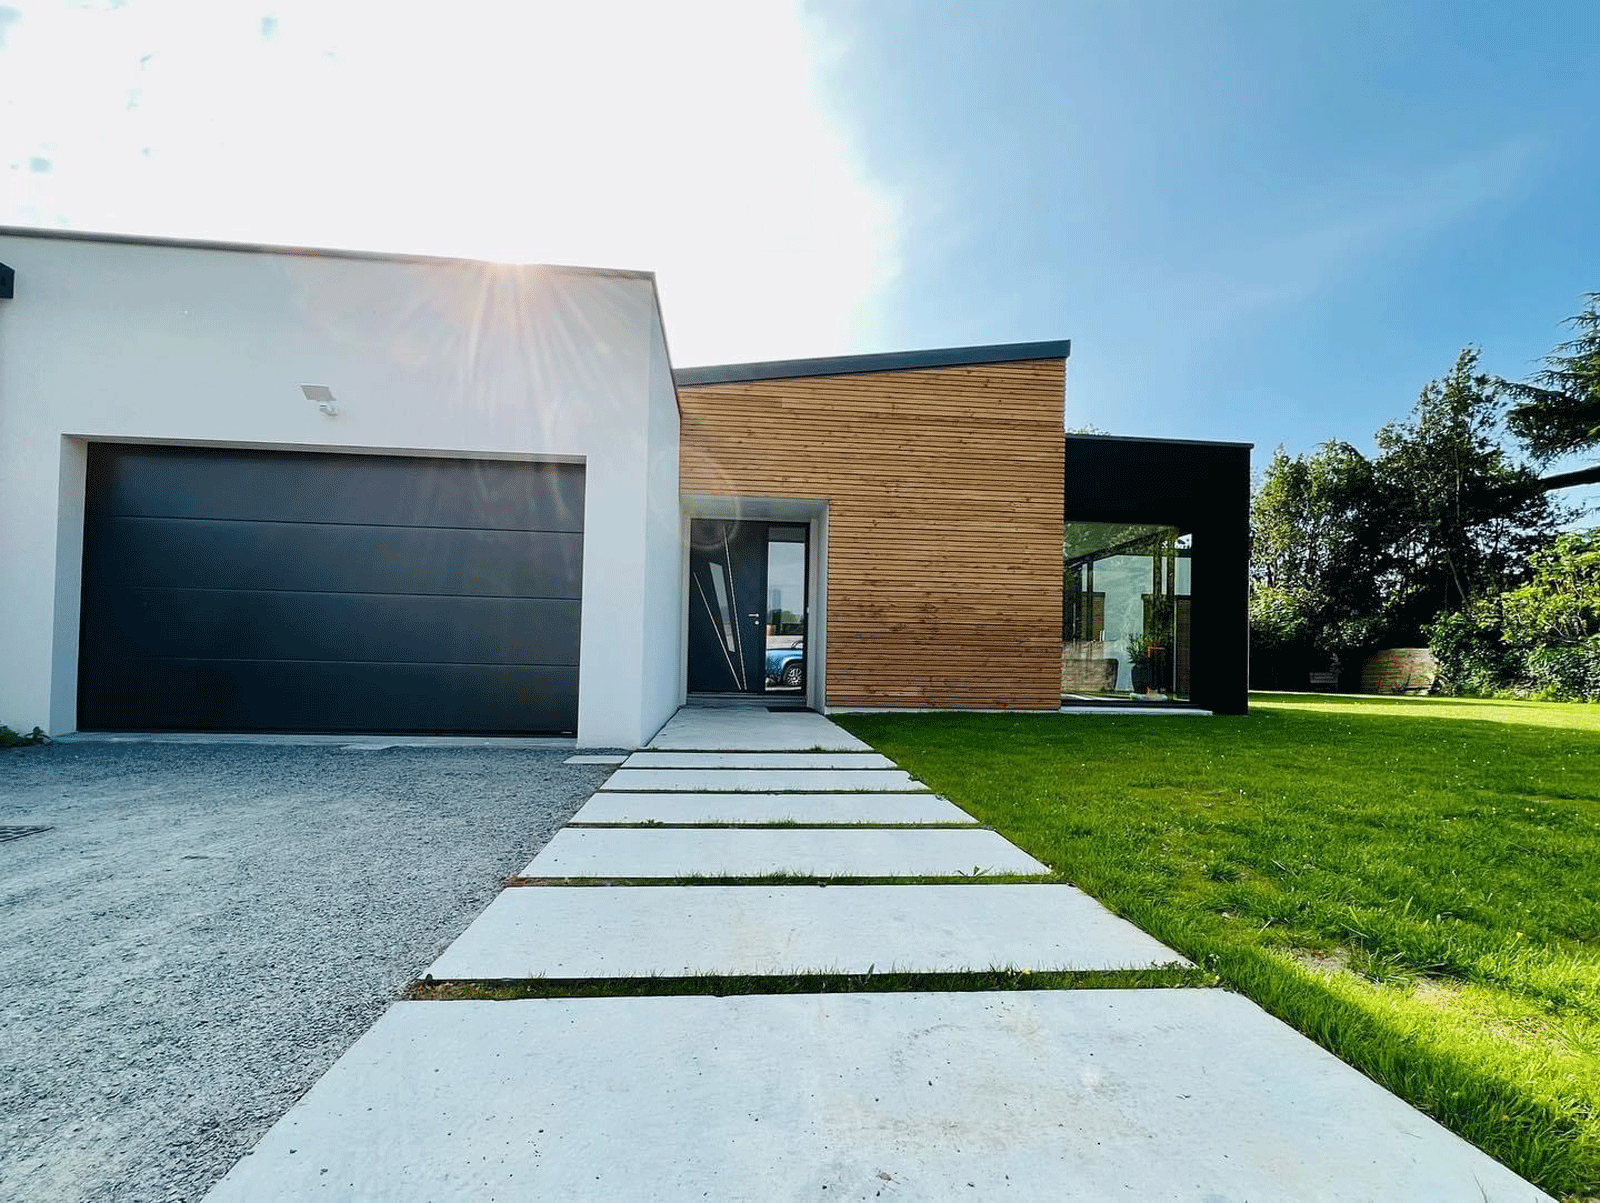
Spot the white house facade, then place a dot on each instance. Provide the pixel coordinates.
(256, 489)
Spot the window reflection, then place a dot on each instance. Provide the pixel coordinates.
(786, 609)
(1125, 620)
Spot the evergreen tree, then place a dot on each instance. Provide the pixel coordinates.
(1558, 410)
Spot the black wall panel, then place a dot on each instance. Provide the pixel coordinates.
(1203, 489)
(276, 591)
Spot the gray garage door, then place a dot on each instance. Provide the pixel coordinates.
(272, 591)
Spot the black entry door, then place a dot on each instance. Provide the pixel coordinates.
(727, 606)
(281, 591)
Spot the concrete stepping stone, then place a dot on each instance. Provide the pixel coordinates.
(753, 729)
(817, 809)
(810, 781)
(758, 760)
(755, 851)
(1035, 1095)
(677, 931)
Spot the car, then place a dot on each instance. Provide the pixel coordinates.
(786, 666)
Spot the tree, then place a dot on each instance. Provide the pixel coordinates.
(1558, 410)
(1351, 552)
(1319, 561)
(1463, 517)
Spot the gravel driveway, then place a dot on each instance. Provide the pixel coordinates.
(209, 926)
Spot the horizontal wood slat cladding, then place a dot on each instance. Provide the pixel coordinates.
(944, 490)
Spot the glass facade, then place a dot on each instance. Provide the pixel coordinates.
(1126, 623)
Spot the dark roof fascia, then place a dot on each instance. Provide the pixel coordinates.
(893, 361)
(1139, 438)
(318, 252)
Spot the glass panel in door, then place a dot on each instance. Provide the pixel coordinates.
(786, 609)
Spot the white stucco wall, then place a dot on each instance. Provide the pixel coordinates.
(663, 664)
(130, 342)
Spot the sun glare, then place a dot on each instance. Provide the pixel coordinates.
(695, 143)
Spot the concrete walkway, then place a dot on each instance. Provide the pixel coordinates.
(749, 729)
(681, 931)
(1078, 1094)
(1044, 1095)
(813, 810)
(612, 852)
(798, 779)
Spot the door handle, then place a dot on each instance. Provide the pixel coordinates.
(756, 615)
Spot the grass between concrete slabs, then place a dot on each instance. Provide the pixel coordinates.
(1410, 882)
(719, 986)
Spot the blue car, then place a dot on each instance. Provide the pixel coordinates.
(786, 666)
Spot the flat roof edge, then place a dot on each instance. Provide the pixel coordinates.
(1146, 438)
(316, 252)
(892, 361)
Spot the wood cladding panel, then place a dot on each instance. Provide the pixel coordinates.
(944, 490)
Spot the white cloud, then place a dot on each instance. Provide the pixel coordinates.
(692, 140)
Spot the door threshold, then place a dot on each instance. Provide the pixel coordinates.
(744, 701)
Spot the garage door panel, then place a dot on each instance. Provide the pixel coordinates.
(350, 489)
(268, 591)
(235, 624)
(155, 695)
(163, 552)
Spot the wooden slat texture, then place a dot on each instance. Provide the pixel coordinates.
(944, 490)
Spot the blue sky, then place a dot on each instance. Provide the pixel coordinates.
(1266, 221)
(1256, 220)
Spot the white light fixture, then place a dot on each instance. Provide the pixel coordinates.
(322, 395)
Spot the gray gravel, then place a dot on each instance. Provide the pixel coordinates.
(209, 927)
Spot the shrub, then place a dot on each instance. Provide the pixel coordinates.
(1473, 659)
(1540, 640)
(1560, 604)
(1566, 674)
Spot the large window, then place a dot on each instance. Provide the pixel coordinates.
(1125, 619)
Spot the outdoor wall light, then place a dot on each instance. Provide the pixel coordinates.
(322, 395)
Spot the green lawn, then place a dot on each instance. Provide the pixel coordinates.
(1414, 883)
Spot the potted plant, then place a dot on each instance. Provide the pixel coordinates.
(1139, 660)
(1147, 661)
